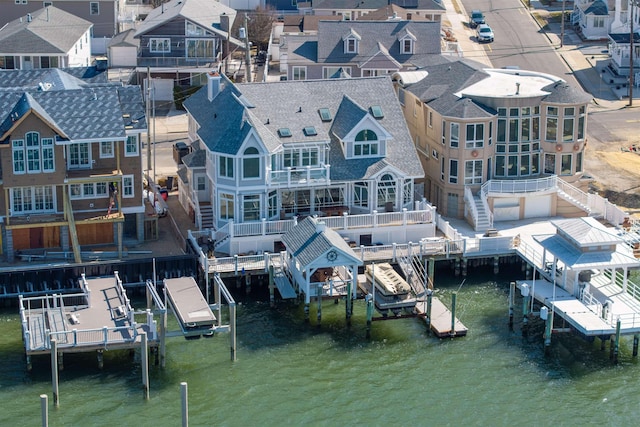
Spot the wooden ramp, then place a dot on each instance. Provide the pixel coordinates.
(190, 307)
(441, 319)
(283, 284)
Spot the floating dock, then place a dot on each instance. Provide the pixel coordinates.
(190, 307)
(442, 319)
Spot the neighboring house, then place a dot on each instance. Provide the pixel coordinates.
(244, 4)
(181, 40)
(276, 151)
(103, 14)
(36, 41)
(349, 10)
(70, 157)
(496, 141)
(360, 49)
(593, 19)
(619, 47)
(394, 12)
(122, 50)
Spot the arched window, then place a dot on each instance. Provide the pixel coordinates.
(366, 143)
(251, 163)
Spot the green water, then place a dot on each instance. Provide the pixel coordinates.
(293, 373)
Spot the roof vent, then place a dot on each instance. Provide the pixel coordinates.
(28, 17)
(320, 227)
(517, 88)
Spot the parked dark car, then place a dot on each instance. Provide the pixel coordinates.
(476, 18)
(180, 149)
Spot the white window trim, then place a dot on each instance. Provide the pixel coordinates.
(355, 45)
(135, 153)
(91, 8)
(126, 186)
(160, 41)
(107, 155)
(95, 194)
(298, 67)
(403, 48)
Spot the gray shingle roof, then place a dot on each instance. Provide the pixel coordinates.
(377, 4)
(87, 112)
(308, 243)
(205, 13)
(450, 105)
(226, 122)
(125, 38)
(57, 78)
(195, 159)
(598, 8)
(563, 93)
(331, 47)
(51, 31)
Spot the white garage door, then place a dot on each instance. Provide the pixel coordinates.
(536, 207)
(122, 56)
(506, 209)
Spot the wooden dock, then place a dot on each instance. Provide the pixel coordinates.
(441, 319)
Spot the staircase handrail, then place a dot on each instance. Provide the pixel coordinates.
(485, 205)
(471, 204)
(575, 193)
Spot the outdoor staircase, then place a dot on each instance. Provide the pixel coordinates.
(484, 220)
(415, 274)
(206, 216)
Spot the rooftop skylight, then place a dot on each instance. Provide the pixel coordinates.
(376, 111)
(284, 132)
(310, 131)
(325, 114)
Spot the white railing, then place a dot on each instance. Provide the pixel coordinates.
(519, 185)
(485, 204)
(470, 204)
(298, 176)
(574, 193)
(101, 336)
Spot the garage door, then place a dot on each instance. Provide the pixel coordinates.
(536, 207)
(506, 208)
(122, 56)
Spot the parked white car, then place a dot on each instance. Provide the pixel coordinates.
(484, 33)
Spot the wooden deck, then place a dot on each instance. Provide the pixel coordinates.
(100, 318)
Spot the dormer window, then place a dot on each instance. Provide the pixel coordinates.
(407, 46)
(407, 41)
(366, 144)
(351, 46)
(351, 40)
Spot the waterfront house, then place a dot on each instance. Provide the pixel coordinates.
(36, 41)
(180, 41)
(497, 144)
(359, 49)
(70, 157)
(285, 150)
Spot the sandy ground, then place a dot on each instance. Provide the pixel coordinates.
(616, 172)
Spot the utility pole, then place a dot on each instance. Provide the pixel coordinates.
(247, 47)
(147, 116)
(562, 24)
(633, 6)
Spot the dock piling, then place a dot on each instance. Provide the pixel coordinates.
(636, 338)
(144, 362)
(100, 359)
(453, 314)
(319, 298)
(349, 306)
(428, 314)
(369, 299)
(524, 290)
(512, 291)
(272, 298)
(184, 398)
(548, 326)
(496, 265)
(54, 371)
(616, 346)
(44, 409)
(232, 329)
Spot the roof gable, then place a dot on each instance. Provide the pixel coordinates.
(40, 33)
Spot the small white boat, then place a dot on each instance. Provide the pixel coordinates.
(391, 292)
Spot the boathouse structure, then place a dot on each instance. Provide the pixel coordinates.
(581, 275)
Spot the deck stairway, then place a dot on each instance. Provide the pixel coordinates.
(484, 219)
(75, 243)
(206, 216)
(414, 272)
